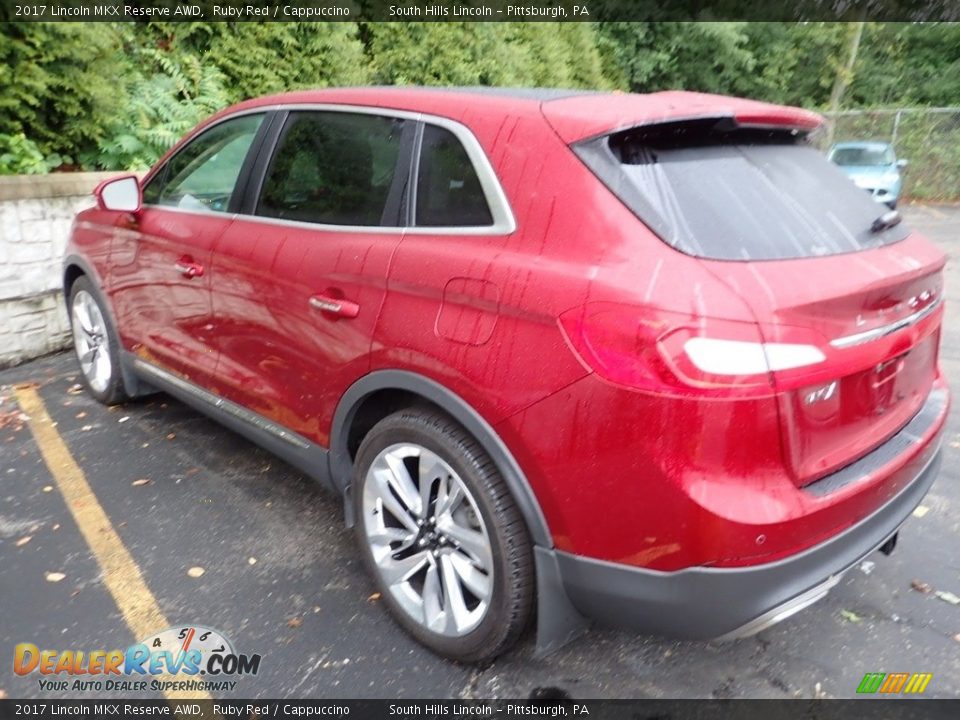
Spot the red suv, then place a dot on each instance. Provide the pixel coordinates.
(647, 359)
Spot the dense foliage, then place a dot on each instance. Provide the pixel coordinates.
(116, 95)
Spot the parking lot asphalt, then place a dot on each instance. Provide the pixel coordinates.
(281, 576)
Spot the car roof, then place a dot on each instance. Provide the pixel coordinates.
(574, 114)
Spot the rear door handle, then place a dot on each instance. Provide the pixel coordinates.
(335, 306)
(189, 269)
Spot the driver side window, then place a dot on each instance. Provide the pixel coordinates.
(202, 175)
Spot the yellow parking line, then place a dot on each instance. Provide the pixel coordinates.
(121, 574)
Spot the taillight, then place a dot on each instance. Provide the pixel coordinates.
(735, 357)
(651, 349)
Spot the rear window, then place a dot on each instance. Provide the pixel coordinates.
(737, 194)
(862, 156)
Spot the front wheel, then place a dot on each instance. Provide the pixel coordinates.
(441, 536)
(95, 344)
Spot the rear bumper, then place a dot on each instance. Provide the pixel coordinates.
(704, 602)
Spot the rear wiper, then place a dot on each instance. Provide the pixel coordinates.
(886, 221)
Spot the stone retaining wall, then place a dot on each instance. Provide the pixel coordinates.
(35, 216)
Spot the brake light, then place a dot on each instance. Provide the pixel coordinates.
(651, 349)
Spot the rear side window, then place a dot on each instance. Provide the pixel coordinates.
(336, 169)
(737, 195)
(449, 193)
(202, 175)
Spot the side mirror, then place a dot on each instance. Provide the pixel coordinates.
(121, 194)
(902, 163)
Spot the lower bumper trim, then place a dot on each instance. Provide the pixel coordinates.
(707, 603)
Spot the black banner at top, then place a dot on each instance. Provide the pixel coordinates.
(478, 10)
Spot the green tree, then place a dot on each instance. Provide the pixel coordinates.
(274, 57)
(651, 56)
(166, 97)
(261, 58)
(505, 54)
(60, 82)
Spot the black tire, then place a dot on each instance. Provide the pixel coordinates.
(511, 600)
(114, 391)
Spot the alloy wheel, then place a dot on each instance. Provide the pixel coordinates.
(90, 341)
(429, 543)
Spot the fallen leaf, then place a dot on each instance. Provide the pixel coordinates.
(374, 597)
(3, 694)
(55, 576)
(957, 637)
(316, 609)
(294, 622)
(56, 526)
(87, 428)
(192, 471)
(196, 571)
(12, 418)
(124, 418)
(24, 540)
(141, 481)
(948, 597)
(851, 616)
(920, 511)
(251, 561)
(81, 415)
(145, 445)
(920, 586)
(74, 593)
(48, 488)
(75, 389)
(171, 436)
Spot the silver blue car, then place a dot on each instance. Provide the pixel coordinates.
(873, 166)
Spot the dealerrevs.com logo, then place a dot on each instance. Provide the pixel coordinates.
(188, 658)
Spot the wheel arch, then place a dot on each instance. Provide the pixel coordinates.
(401, 388)
(558, 621)
(71, 272)
(75, 267)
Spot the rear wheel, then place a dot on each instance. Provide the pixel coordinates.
(441, 536)
(95, 344)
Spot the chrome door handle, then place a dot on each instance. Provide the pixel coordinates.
(335, 306)
(188, 269)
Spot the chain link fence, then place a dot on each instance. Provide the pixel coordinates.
(929, 138)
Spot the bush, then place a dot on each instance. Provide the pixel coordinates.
(21, 156)
(60, 83)
(166, 100)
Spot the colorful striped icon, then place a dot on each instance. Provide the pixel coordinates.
(892, 683)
